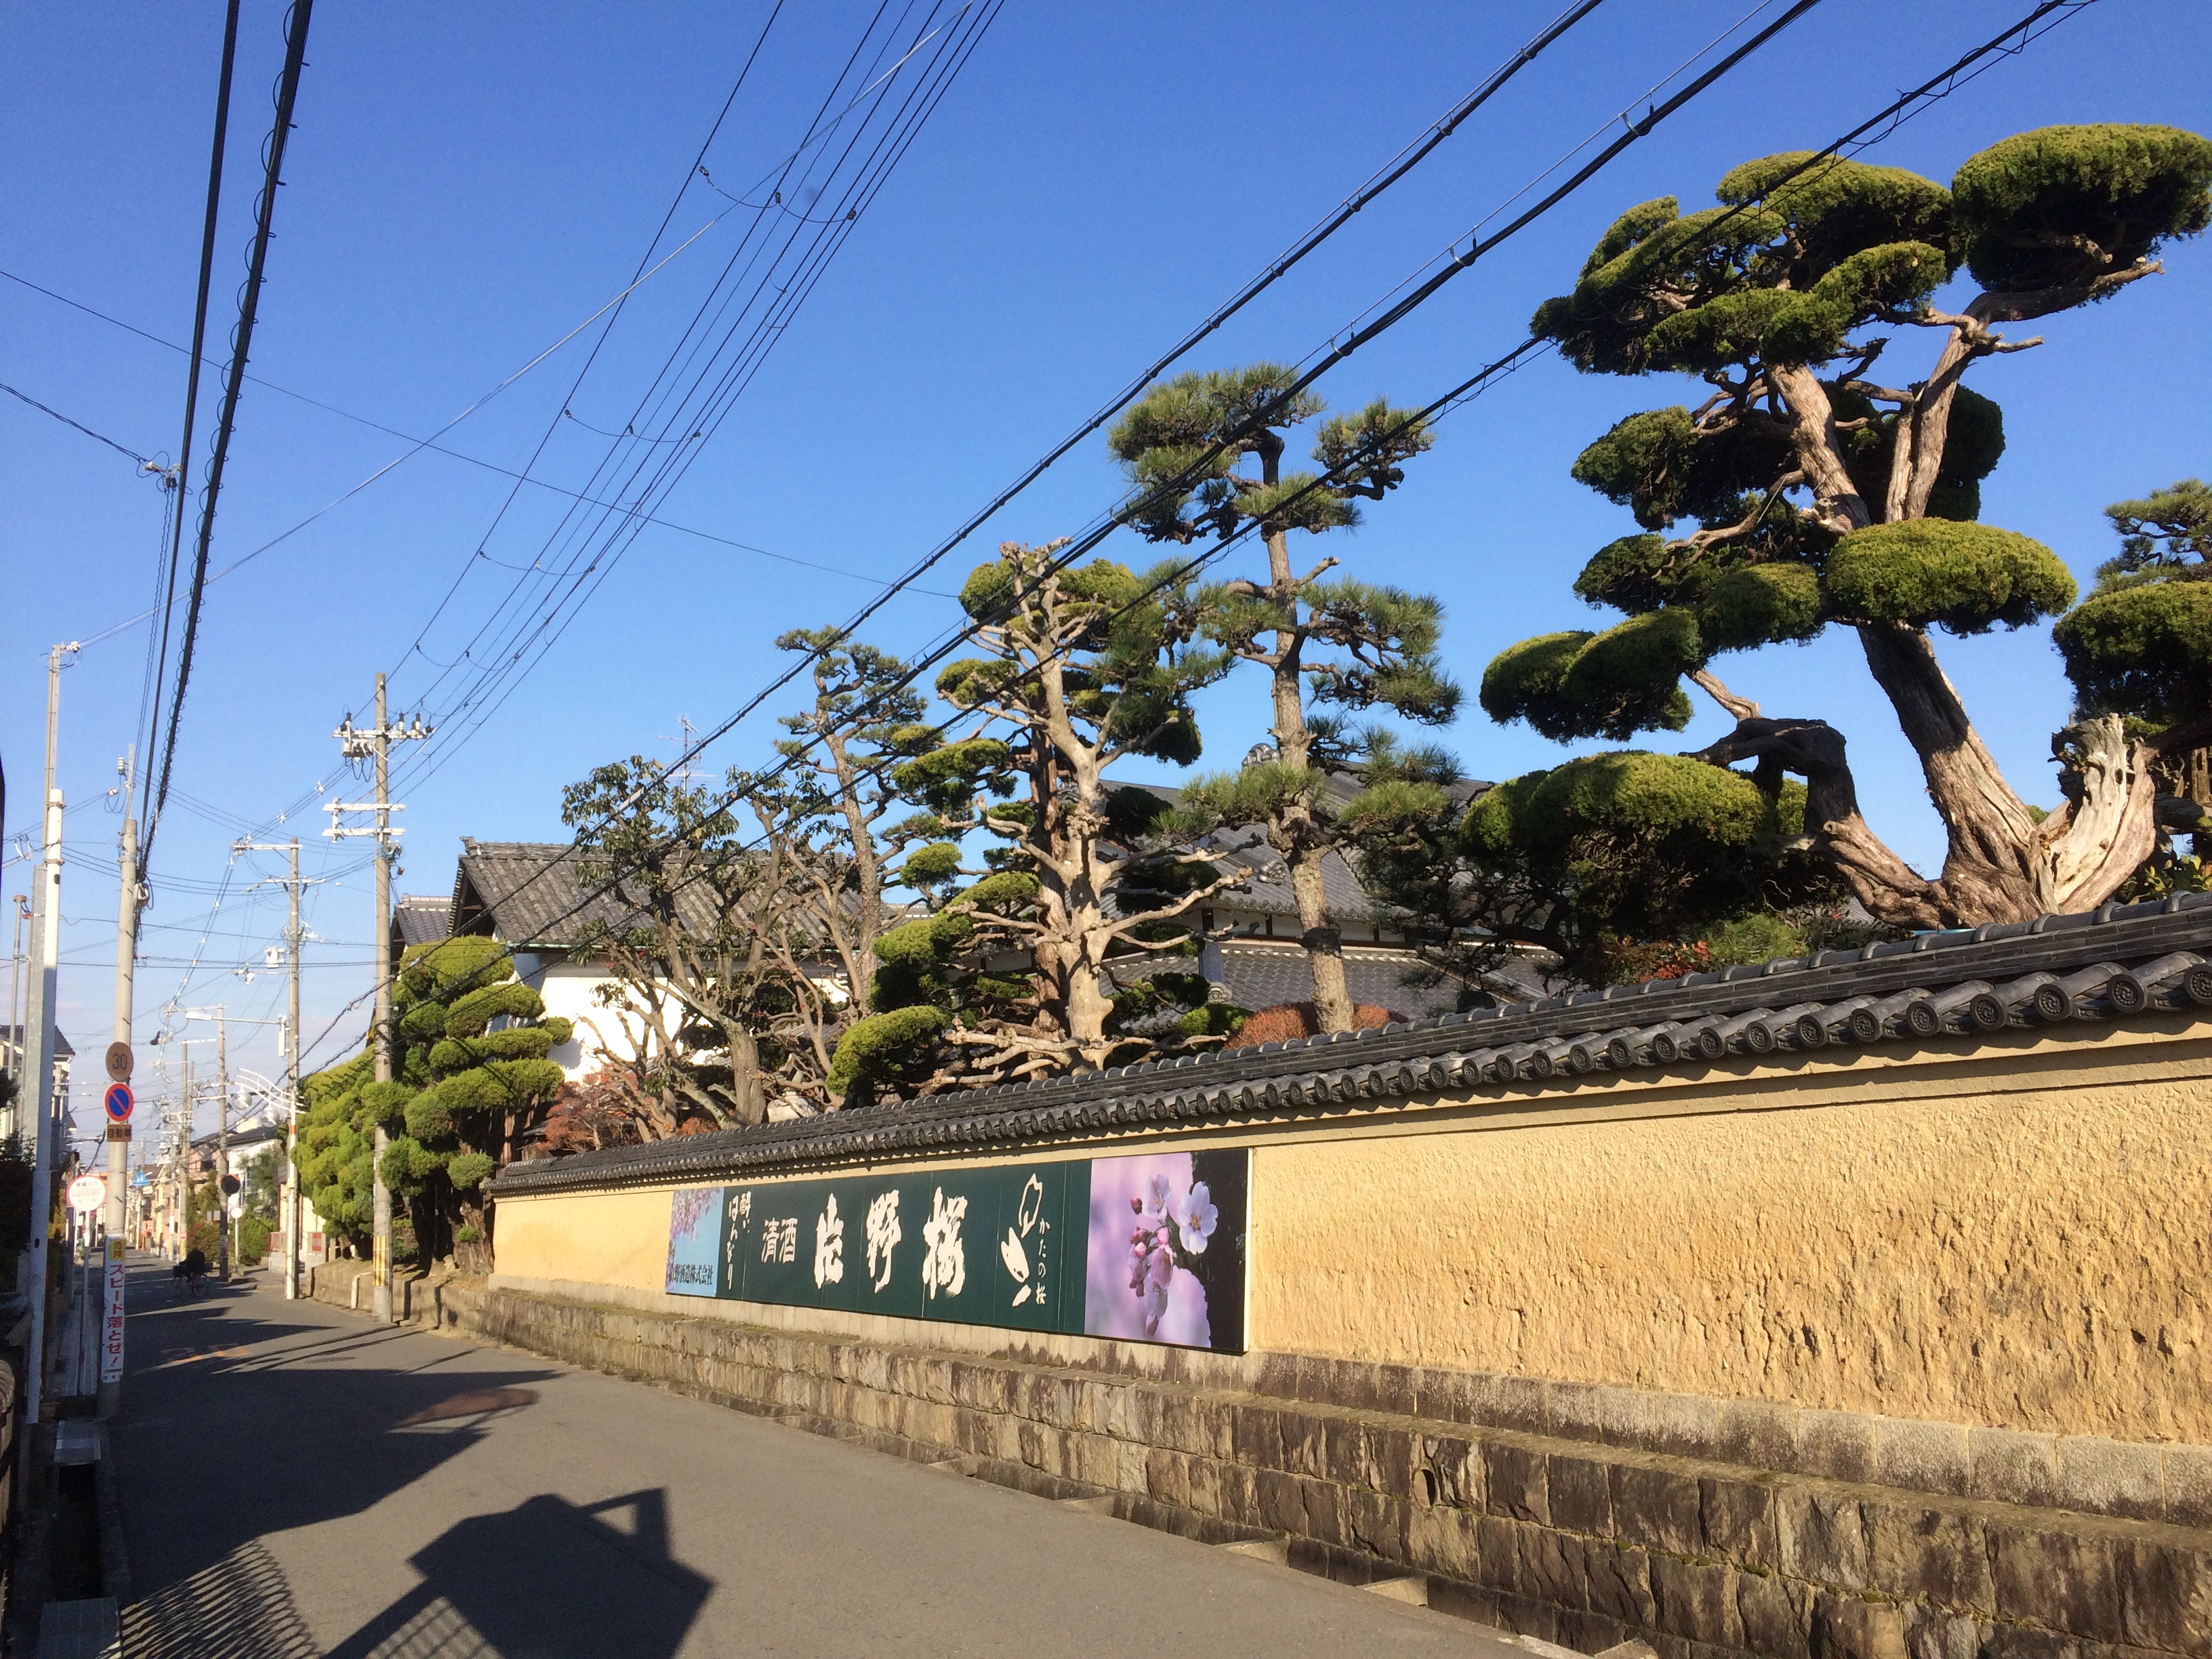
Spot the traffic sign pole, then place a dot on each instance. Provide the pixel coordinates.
(115, 1215)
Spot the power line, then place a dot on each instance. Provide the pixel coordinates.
(418, 445)
(661, 230)
(455, 454)
(144, 464)
(1341, 347)
(598, 547)
(288, 90)
(150, 706)
(817, 133)
(1389, 175)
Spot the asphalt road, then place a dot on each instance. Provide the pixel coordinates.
(298, 1484)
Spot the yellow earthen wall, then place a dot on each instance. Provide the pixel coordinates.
(2025, 1260)
(619, 1238)
(2018, 1242)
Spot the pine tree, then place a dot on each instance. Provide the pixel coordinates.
(1614, 866)
(1823, 497)
(1086, 666)
(830, 806)
(336, 1141)
(1353, 647)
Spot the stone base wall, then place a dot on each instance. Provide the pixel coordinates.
(1567, 1539)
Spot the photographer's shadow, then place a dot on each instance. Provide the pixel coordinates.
(544, 1580)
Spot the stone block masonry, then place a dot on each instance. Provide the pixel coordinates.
(1379, 1471)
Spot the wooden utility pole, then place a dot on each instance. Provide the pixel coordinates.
(376, 745)
(112, 1212)
(288, 1206)
(221, 1144)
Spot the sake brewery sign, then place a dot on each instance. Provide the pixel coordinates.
(1149, 1248)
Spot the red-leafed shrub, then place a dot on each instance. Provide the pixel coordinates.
(1289, 1020)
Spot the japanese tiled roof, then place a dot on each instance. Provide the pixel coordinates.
(1262, 975)
(422, 919)
(2111, 967)
(533, 894)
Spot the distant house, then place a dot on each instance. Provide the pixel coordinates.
(13, 1062)
(531, 897)
(1258, 957)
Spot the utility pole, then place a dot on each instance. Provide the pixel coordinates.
(376, 744)
(113, 1215)
(39, 1040)
(293, 936)
(179, 1174)
(222, 1144)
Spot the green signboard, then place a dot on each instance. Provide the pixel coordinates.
(1149, 1248)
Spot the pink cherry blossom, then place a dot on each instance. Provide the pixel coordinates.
(1195, 1217)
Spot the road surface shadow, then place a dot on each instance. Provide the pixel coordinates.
(547, 1579)
(240, 1422)
(240, 1606)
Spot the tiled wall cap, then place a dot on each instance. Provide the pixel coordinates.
(2122, 962)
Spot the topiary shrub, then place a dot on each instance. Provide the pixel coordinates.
(1964, 578)
(879, 1049)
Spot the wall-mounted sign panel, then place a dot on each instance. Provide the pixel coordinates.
(1146, 1249)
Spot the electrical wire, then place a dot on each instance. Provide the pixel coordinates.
(698, 408)
(144, 464)
(691, 335)
(160, 652)
(455, 454)
(818, 132)
(1339, 347)
(417, 446)
(288, 90)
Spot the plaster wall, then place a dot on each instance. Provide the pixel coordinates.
(2034, 1261)
(618, 1239)
(570, 990)
(2013, 1239)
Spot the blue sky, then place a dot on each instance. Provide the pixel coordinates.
(466, 184)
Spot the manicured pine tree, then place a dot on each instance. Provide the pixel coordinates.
(1823, 497)
(1086, 666)
(463, 1094)
(335, 1146)
(1354, 646)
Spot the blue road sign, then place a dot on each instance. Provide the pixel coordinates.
(119, 1102)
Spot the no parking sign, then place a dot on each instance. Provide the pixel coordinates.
(118, 1102)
